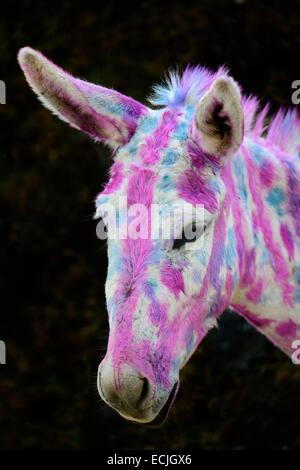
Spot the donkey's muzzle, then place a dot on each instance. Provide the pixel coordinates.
(127, 391)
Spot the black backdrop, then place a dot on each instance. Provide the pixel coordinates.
(238, 391)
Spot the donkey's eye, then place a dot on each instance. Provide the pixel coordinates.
(189, 235)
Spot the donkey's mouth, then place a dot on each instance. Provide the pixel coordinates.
(162, 416)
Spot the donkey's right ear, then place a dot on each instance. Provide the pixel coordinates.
(102, 113)
(219, 119)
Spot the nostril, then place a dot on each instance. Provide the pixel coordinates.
(130, 394)
(144, 391)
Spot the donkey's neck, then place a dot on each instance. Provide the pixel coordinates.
(266, 201)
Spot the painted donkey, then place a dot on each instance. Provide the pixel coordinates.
(205, 143)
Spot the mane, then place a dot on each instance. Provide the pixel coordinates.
(281, 130)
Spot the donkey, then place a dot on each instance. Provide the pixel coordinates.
(202, 142)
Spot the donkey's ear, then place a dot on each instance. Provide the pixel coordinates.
(219, 118)
(103, 114)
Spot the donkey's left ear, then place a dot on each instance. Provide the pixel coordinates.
(219, 118)
(102, 113)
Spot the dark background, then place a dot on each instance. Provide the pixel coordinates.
(238, 391)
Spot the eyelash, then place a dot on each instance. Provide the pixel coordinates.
(180, 242)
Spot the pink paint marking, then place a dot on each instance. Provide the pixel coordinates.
(250, 273)
(140, 186)
(154, 143)
(280, 266)
(198, 157)
(287, 329)
(252, 318)
(193, 188)
(267, 174)
(91, 115)
(158, 313)
(125, 124)
(172, 278)
(287, 239)
(135, 261)
(119, 343)
(254, 294)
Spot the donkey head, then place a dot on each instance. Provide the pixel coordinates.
(163, 293)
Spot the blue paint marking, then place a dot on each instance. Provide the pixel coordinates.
(162, 96)
(258, 153)
(155, 256)
(114, 268)
(197, 276)
(170, 157)
(121, 218)
(101, 200)
(179, 97)
(239, 171)
(190, 340)
(166, 183)
(150, 287)
(230, 249)
(265, 259)
(231, 254)
(118, 218)
(294, 198)
(132, 148)
(165, 210)
(148, 124)
(190, 110)
(276, 198)
(214, 185)
(297, 279)
(111, 307)
(181, 131)
(256, 238)
(216, 264)
(109, 105)
(115, 260)
(175, 366)
(202, 257)
(297, 295)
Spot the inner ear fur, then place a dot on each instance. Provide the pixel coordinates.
(219, 118)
